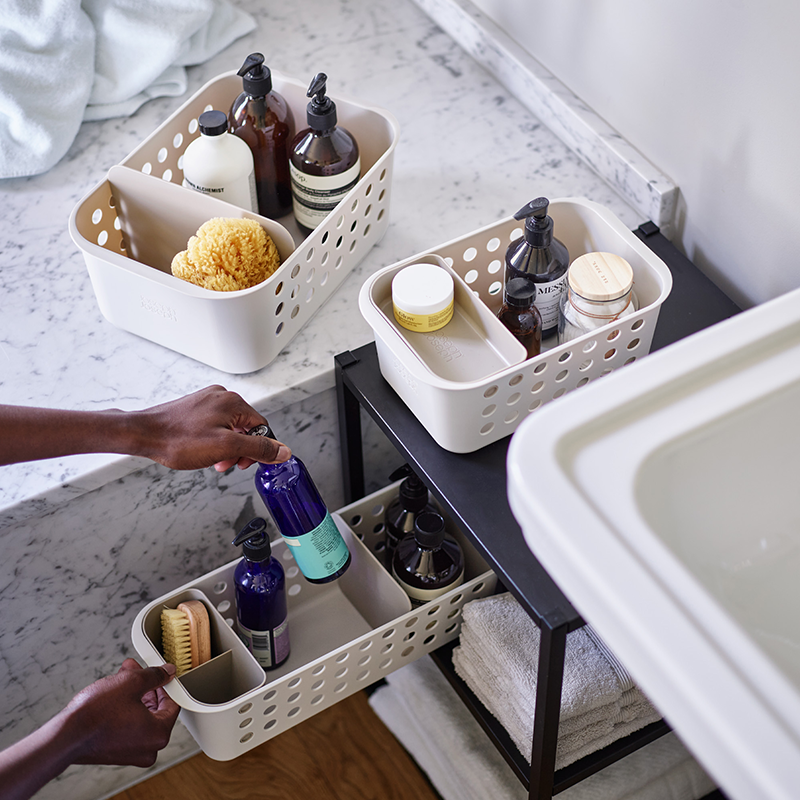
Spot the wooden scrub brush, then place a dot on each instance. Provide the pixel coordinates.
(186, 635)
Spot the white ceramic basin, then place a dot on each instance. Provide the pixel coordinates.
(665, 502)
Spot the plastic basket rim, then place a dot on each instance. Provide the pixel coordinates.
(425, 376)
(184, 287)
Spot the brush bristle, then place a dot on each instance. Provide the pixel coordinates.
(176, 640)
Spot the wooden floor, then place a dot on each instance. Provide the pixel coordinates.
(343, 753)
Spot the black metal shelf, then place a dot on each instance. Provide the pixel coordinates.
(472, 488)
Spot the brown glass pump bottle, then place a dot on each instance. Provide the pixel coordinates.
(324, 163)
(519, 314)
(540, 257)
(265, 121)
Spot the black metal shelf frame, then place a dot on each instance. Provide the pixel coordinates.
(472, 488)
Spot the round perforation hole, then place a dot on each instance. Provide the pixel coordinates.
(102, 238)
(495, 266)
(515, 380)
(318, 670)
(495, 288)
(586, 365)
(294, 589)
(409, 636)
(341, 687)
(431, 625)
(638, 324)
(514, 398)
(294, 682)
(245, 723)
(613, 335)
(537, 387)
(294, 712)
(490, 392)
(407, 652)
(223, 606)
(562, 376)
(315, 701)
(493, 244)
(269, 710)
(633, 344)
(487, 429)
(564, 357)
(245, 708)
(582, 382)
(385, 664)
(97, 216)
(246, 738)
(317, 685)
(610, 354)
(511, 417)
(471, 276)
(220, 587)
(539, 368)
(470, 253)
(559, 393)
(489, 410)
(388, 633)
(342, 657)
(270, 724)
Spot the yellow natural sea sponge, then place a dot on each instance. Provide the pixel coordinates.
(227, 254)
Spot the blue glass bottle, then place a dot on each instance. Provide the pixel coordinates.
(260, 593)
(302, 517)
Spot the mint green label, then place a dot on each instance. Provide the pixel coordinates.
(321, 552)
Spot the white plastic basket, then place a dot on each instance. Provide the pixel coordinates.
(241, 331)
(465, 415)
(344, 636)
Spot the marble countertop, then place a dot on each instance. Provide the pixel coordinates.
(469, 154)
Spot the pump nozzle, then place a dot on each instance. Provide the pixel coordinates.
(536, 208)
(538, 226)
(256, 78)
(254, 540)
(321, 111)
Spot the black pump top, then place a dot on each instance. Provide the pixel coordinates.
(254, 540)
(413, 492)
(213, 123)
(321, 111)
(538, 226)
(429, 529)
(520, 293)
(256, 78)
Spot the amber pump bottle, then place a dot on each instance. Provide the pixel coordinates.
(325, 162)
(538, 256)
(264, 120)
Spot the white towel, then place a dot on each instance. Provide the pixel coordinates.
(498, 659)
(430, 721)
(63, 61)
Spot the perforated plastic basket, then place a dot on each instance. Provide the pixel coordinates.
(241, 331)
(344, 636)
(465, 415)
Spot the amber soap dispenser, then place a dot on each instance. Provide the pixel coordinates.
(325, 162)
(263, 119)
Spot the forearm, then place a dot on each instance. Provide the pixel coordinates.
(30, 434)
(31, 763)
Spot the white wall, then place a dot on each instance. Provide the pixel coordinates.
(708, 91)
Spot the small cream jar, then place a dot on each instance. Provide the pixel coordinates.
(422, 297)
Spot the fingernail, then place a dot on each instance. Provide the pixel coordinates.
(170, 669)
(283, 454)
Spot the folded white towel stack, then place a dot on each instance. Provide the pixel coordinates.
(63, 61)
(430, 721)
(498, 658)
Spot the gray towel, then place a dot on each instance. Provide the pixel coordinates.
(498, 659)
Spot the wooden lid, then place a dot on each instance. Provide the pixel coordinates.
(600, 276)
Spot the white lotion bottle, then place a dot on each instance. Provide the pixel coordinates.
(220, 164)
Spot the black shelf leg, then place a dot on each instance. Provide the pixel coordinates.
(552, 649)
(349, 409)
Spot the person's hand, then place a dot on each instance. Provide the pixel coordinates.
(207, 428)
(124, 718)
